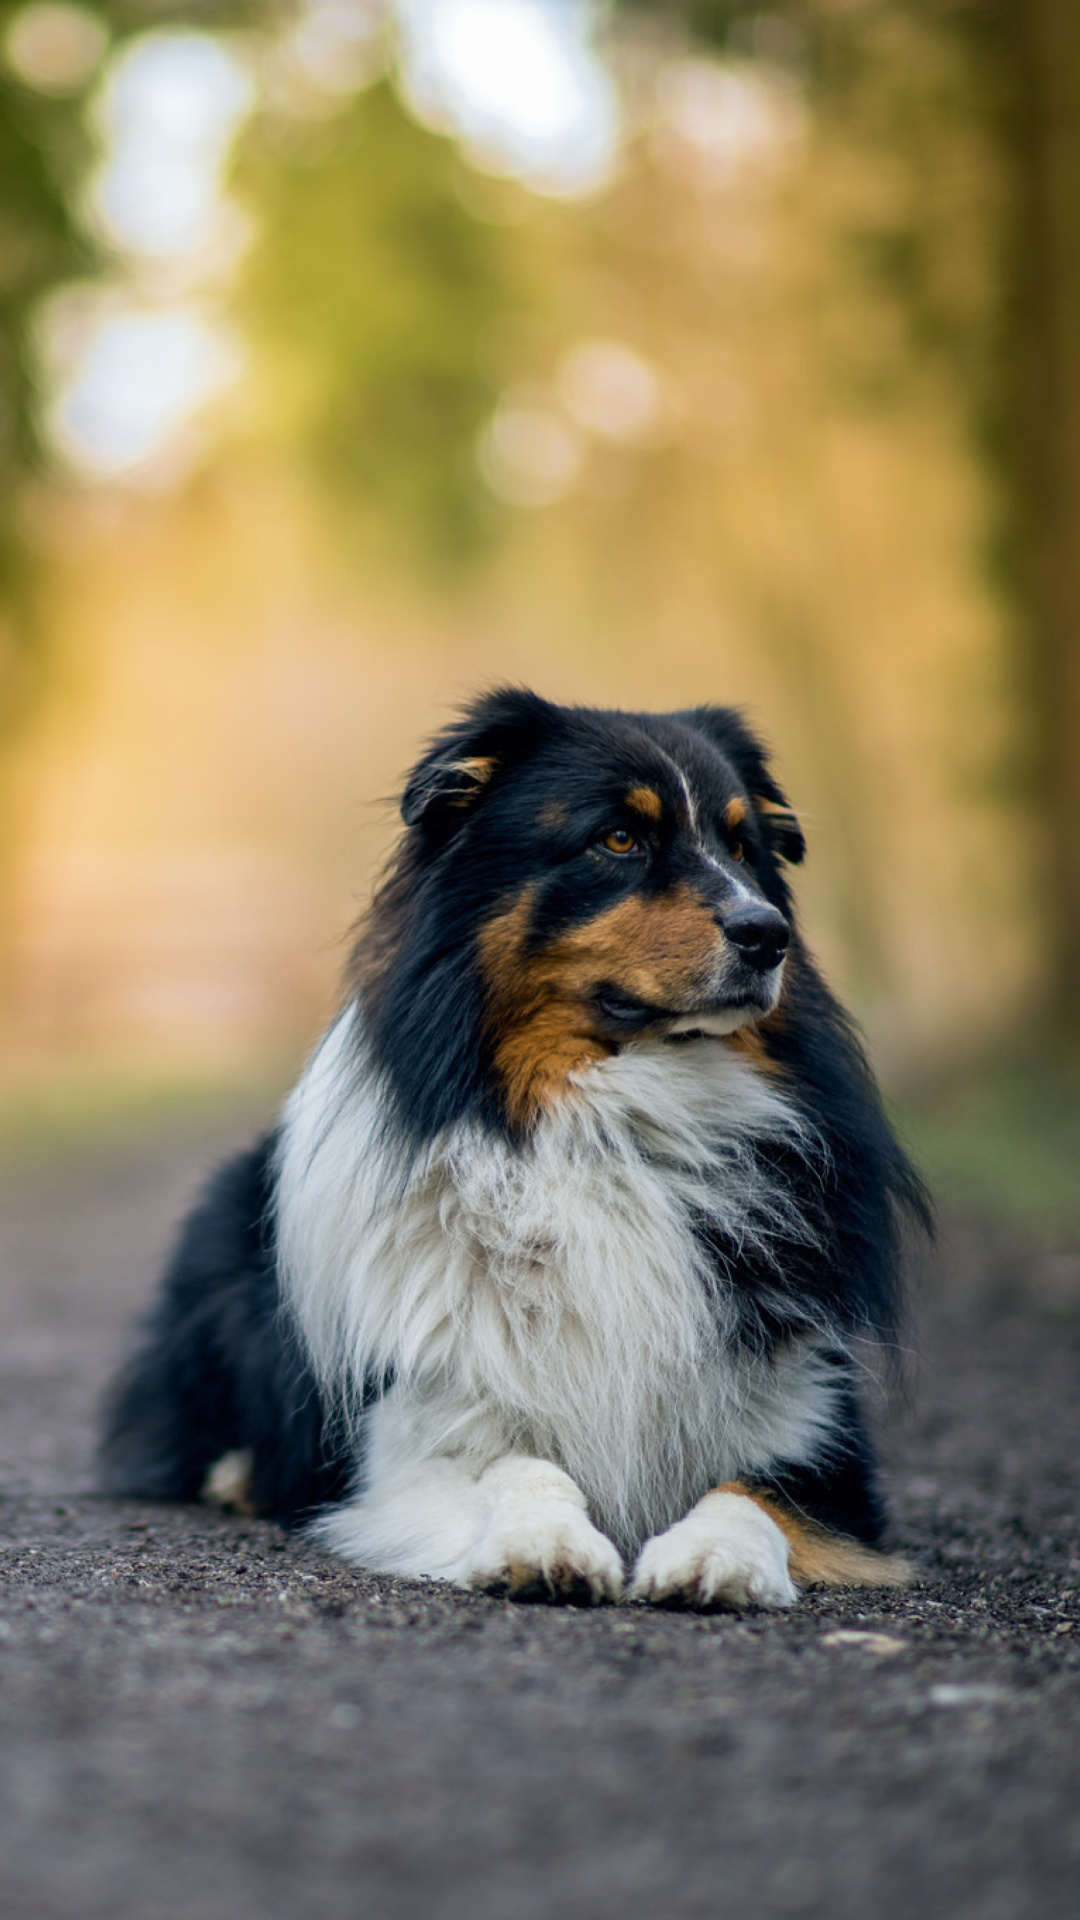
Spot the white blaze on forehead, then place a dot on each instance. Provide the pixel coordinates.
(691, 807)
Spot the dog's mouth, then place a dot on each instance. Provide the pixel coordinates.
(627, 1015)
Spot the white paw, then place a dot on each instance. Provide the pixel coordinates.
(726, 1552)
(539, 1544)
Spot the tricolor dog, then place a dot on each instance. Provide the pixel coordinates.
(549, 1279)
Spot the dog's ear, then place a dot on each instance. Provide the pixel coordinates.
(452, 778)
(781, 824)
(455, 783)
(727, 730)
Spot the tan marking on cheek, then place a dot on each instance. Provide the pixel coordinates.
(535, 1056)
(819, 1558)
(735, 813)
(503, 939)
(647, 801)
(662, 950)
(541, 1024)
(539, 1034)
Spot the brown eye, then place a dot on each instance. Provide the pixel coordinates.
(618, 840)
(738, 851)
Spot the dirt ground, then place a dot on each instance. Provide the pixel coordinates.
(204, 1718)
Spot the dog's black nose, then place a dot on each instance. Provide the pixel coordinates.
(759, 933)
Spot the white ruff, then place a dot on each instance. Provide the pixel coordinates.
(550, 1300)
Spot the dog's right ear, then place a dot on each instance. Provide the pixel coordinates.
(447, 785)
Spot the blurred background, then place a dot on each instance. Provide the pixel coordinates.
(354, 355)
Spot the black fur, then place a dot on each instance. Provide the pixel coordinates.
(841, 1491)
(219, 1367)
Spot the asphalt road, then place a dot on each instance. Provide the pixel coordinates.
(204, 1718)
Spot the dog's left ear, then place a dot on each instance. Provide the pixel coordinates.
(781, 823)
(727, 730)
(447, 785)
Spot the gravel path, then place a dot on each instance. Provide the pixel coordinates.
(204, 1718)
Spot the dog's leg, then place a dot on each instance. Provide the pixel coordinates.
(741, 1547)
(538, 1542)
(520, 1528)
(726, 1552)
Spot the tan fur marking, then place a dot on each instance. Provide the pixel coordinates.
(542, 1026)
(647, 801)
(661, 950)
(750, 1042)
(819, 1558)
(539, 1035)
(477, 770)
(735, 813)
(535, 1058)
(775, 809)
(753, 1042)
(553, 815)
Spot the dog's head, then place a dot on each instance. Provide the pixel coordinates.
(591, 877)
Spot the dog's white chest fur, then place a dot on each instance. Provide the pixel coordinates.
(553, 1300)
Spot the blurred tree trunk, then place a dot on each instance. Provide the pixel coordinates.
(1043, 44)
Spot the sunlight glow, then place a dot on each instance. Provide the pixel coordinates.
(169, 111)
(529, 455)
(129, 368)
(54, 47)
(721, 121)
(612, 391)
(518, 82)
(336, 45)
(127, 408)
(128, 383)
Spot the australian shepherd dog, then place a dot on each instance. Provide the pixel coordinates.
(553, 1277)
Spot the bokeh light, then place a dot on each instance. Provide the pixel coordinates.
(520, 84)
(168, 112)
(54, 47)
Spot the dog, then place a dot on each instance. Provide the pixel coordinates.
(561, 1255)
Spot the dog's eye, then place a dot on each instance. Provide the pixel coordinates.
(738, 851)
(619, 840)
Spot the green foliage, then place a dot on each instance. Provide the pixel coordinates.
(39, 243)
(366, 303)
(42, 148)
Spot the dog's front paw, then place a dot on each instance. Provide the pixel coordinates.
(726, 1553)
(539, 1544)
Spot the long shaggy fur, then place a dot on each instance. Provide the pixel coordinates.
(576, 1209)
(479, 1276)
